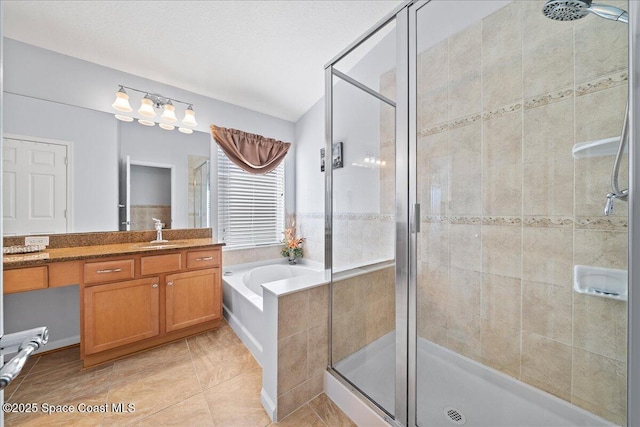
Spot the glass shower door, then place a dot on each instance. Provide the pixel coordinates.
(520, 277)
(362, 163)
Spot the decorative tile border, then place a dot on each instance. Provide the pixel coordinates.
(502, 111)
(602, 223)
(364, 217)
(509, 221)
(434, 219)
(464, 121)
(602, 83)
(433, 130)
(583, 222)
(465, 220)
(548, 98)
(548, 222)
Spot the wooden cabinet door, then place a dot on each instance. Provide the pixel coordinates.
(193, 297)
(120, 313)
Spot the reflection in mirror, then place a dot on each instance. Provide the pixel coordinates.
(199, 188)
(150, 196)
(161, 179)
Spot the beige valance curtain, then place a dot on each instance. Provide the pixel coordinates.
(254, 153)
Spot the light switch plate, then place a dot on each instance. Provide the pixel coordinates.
(36, 240)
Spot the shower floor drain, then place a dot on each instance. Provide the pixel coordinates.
(454, 416)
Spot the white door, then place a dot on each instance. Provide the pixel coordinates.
(34, 187)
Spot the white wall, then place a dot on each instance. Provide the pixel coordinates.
(310, 138)
(150, 185)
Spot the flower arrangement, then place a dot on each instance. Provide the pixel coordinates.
(292, 245)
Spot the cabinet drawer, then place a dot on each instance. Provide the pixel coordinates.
(108, 271)
(160, 263)
(204, 258)
(25, 279)
(65, 273)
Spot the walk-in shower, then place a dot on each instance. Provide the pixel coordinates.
(475, 278)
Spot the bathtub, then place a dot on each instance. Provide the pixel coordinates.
(242, 296)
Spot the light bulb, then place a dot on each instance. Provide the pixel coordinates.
(366, 160)
(122, 101)
(189, 117)
(169, 113)
(146, 122)
(146, 107)
(185, 130)
(124, 118)
(166, 126)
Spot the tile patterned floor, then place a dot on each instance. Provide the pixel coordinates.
(207, 380)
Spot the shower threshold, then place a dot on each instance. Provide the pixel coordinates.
(454, 390)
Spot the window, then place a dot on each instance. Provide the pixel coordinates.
(250, 207)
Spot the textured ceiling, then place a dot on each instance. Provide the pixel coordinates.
(267, 56)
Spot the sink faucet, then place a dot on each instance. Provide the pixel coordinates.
(158, 226)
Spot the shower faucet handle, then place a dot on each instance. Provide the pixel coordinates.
(608, 206)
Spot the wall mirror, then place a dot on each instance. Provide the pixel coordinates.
(85, 149)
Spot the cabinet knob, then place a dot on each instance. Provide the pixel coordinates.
(155, 285)
(169, 283)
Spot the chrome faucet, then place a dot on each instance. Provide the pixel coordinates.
(608, 207)
(158, 226)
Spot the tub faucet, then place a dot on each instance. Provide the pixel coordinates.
(158, 225)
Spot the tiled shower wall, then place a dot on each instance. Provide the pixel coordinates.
(507, 210)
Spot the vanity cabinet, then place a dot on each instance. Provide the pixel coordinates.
(192, 298)
(131, 304)
(120, 313)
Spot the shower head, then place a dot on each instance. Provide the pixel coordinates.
(570, 10)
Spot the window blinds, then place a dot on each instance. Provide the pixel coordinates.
(250, 207)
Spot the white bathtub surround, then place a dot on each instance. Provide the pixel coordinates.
(483, 395)
(281, 321)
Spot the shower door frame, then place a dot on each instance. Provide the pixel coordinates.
(633, 302)
(403, 170)
(408, 220)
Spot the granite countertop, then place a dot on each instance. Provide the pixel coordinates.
(102, 251)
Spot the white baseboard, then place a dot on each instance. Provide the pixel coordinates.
(268, 405)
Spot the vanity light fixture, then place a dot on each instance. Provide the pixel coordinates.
(189, 116)
(148, 106)
(370, 162)
(122, 101)
(169, 113)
